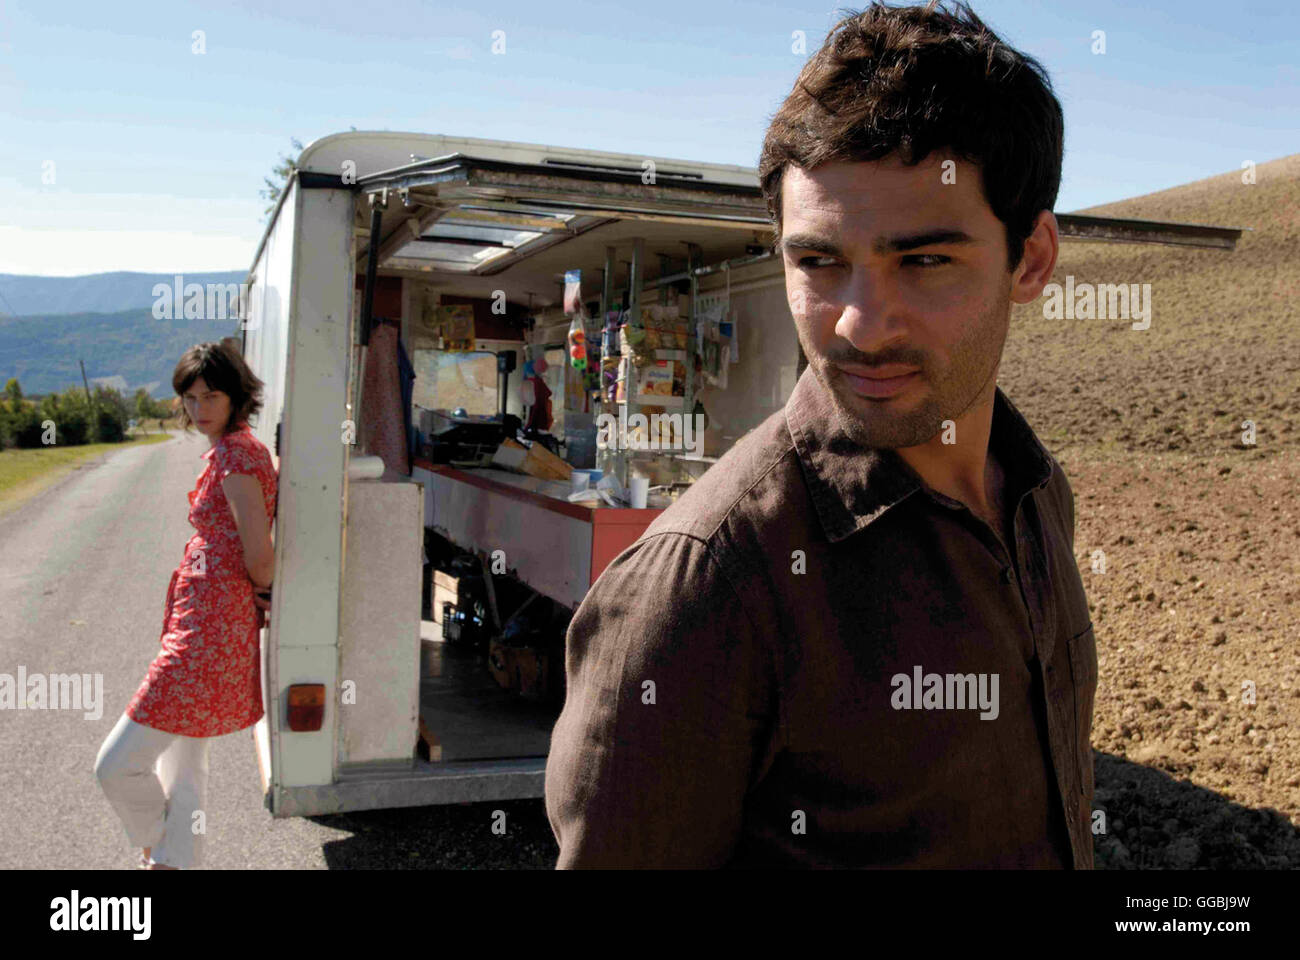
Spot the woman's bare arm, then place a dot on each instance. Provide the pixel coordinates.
(244, 494)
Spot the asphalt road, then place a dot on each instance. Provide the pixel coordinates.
(84, 568)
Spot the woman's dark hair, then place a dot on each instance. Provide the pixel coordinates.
(912, 80)
(222, 368)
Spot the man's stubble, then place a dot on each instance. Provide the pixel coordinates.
(973, 364)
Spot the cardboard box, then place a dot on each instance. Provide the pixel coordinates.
(525, 671)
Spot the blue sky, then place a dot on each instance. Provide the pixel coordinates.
(158, 153)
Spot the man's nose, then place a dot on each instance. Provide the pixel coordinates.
(869, 314)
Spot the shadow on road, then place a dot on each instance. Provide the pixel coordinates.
(1153, 821)
(448, 837)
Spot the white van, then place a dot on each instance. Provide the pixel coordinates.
(349, 667)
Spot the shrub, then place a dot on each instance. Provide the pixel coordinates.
(110, 426)
(27, 428)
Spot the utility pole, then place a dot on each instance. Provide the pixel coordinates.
(93, 426)
(85, 384)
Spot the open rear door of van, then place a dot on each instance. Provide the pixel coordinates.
(297, 340)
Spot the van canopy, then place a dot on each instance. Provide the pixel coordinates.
(471, 224)
(495, 215)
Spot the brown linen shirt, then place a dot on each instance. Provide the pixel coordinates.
(736, 690)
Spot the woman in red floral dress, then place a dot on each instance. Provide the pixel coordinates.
(206, 679)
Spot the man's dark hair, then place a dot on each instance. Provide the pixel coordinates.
(222, 368)
(912, 80)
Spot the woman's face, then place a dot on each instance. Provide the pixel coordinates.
(208, 408)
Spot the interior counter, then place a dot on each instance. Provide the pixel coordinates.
(556, 547)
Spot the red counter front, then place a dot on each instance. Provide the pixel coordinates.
(557, 547)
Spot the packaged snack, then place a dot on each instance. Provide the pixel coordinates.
(577, 344)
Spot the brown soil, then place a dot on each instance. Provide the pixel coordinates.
(1200, 530)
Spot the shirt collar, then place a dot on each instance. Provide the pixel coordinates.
(852, 485)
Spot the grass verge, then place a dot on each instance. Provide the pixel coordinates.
(24, 473)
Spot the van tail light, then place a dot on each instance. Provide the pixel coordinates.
(306, 706)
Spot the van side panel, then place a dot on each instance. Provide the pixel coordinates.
(315, 285)
(266, 350)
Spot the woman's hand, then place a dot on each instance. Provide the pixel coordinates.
(262, 600)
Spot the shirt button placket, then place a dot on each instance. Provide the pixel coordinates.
(1032, 572)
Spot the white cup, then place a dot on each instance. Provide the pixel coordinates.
(640, 491)
(580, 480)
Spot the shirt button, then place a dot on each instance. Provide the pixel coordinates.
(1006, 574)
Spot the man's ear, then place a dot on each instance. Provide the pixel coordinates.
(1038, 260)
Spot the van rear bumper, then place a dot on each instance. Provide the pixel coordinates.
(423, 784)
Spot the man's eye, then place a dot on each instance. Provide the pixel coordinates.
(934, 259)
(812, 263)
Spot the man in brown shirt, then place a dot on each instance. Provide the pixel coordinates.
(861, 639)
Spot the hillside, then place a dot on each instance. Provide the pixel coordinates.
(1198, 603)
(93, 293)
(1223, 323)
(43, 351)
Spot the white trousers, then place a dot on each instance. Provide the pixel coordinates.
(155, 782)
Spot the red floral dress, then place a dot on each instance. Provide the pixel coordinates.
(207, 679)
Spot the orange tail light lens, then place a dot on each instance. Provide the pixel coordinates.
(306, 706)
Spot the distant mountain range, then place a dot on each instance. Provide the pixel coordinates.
(48, 324)
(94, 293)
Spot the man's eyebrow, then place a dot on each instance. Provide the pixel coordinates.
(899, 243)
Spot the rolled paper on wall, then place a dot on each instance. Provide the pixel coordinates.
(365, 468)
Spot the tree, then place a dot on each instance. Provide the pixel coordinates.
(111, 414)
(109, 428)
(147, 408)
(72, 415)
(144, 408)
(11, 406)
(27, 428)
(281, 171)
(72, 427)
(22, 419)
